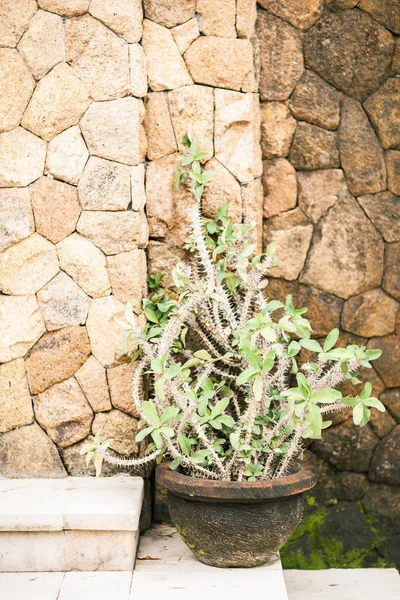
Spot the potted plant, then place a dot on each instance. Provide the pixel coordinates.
(229, 404)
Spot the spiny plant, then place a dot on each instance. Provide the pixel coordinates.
(221, 357)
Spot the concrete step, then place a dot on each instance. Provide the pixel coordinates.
(71, 524)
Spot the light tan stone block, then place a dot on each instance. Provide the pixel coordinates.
(119, 427)
(166, 68)
(222, 62)
(280, 187)
(383, 209)
(224, 188)
(85, 263)
(167, 13)
(192, 108)
(114, 232)
(42, 45)
(106, 336)
(28, 266)
(319, 190)
(67, 155)
(185, 34)
(16, 84)
(105, 185)
(15, 399)
(22, 157)
(218, 19)
(127, 272)
(92, 379)
(112, 130)
(246, 16)
(160, 134)
(66, 8)
(120, 382)
(59, 101)
(14, 19)
(56, 357)
(122, 16)
(16, 216)
(138, 70)
(63, 303)
(98, 56)
(138, 197)
(21, 324)
(56, 208)
(370, 314)
(102, 551)
(237, 134)
(277, 129)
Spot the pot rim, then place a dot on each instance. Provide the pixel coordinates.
(235, 491)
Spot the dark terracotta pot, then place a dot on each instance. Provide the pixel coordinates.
(231, 523)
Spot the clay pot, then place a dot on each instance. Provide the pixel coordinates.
(235, 524)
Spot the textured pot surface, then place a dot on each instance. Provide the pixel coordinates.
(235, 524)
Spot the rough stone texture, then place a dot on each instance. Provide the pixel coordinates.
(350, 51)
(291, 232)
(348, 526)
(300, 13)
(138, 197)
(122, 16)
(217, 19)
(352, 251)
(64, 413)
(114, 232)
(85, 263)
(92, 379)
(246, 16)
(112, 130)
(166, 68)
(127, 272)
(167, 209)
(391, 399)
(281, 57)
(27, 266)
(385, 466)
(59, 101)
(383, 107)
(386, 12)
(185, 34)
(319, 190)
(252, 201)
(237, 134)
(396, 57)
(316, 102)
(382, 423)
(347, 447)
(120, 384)
(280, 187)
(42, 45)
(160, 133)
(56, 208)
(67, 155)
(222, 62)
(391, 278)
(138, 70)
(324, 310)
(105, 185)
(28, 452)
(119, 427)
(56, 357)
(370, 314)
(16, 217)
(393, 171)
(22, 157)
(313, 148)
(67, 8)
(63, 303)
(277, 129)
(193, 107)
(14, 19)
(16, 84)
(162, 258)
(105, 334)
(15, 400)
(351, 486)
(223, 189)
(98, 56)
(167, 13)
(21, 325)
(388, 365)
(384, 211)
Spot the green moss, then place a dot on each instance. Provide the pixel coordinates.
(310, 501)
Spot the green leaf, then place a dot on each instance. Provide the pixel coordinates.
(361, 414)
(375, 403)
(169, 415)
(168, 431)
(200, 456)
(150, 315)
(293, 349)
(325, 396)
(235, 441)
(303, 383)
(150, 412)
(219, 408)
(373, 354)
(312, 345)
(246, 376)
(331, 339)
(172, 371)
(203, 355)
(366, 391)
(156, 435)
(175, 463)
(258, 388)
(143, 433)
(185, 445)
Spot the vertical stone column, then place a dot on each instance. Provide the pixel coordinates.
(201, 77)
(73, 231)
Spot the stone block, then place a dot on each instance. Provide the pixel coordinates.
(16, 216)
(277, 129)
(122, 16)
(316, 102)
(105, 185)
(15, 402)
(67, 155)
(319, 190)
(160, 133)
(63, 303)
(314, 148)
(21, 324)
(17, 85)
(42, 45)
(280, 187)
(22, 157)
(93, 382)
(114, 231)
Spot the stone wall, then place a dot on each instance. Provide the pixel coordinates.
(330, 106)
(73, 231)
